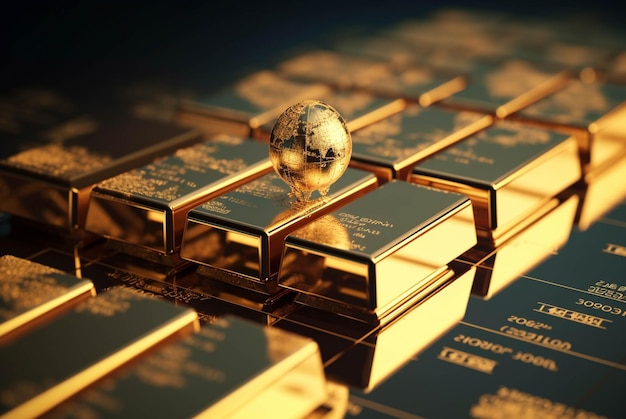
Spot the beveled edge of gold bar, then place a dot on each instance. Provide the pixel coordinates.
(499, 235)
(551, 85)
(448, 88)
(391, 108)
(13, 327)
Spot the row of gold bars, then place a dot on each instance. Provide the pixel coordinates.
(448, 162)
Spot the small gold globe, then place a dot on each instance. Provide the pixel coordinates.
(310, 147)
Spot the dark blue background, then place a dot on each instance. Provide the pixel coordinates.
(196, 42)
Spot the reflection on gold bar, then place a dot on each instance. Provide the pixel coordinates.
(365, 259)
(216, 285)
(370, 362)
(422, 85)
(231, 368)
(32, 292)
(358, 109)
(147, 206)
(501, 265)
(242, 231)
(242, 108)
(504, 88)
(390, 147)
(593, 112)
(603, 189)
(50, 182)
(508, 170)
(76, 349)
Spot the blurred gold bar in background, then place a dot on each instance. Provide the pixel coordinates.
(359, 109)
(490, 90)
(147, 207)
(594, 112)
(198, 376)
(391, 147)
(50, 182)
(242, 108)
(416, 84)
(32, 292)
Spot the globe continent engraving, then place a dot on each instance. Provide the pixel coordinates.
(310, 147)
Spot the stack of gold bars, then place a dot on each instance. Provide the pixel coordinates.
(467, 262)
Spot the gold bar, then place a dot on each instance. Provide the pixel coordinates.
(242, 108)
(50, 181)
(508, 170)
(201, 376)
(32, 293)
(241, 233)
(366, 258)
(392, 146)
(421, 85)
(368, 363)
(45, 367)
(594, 112)
(499, 266)
(504, 88)
(147, 206)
